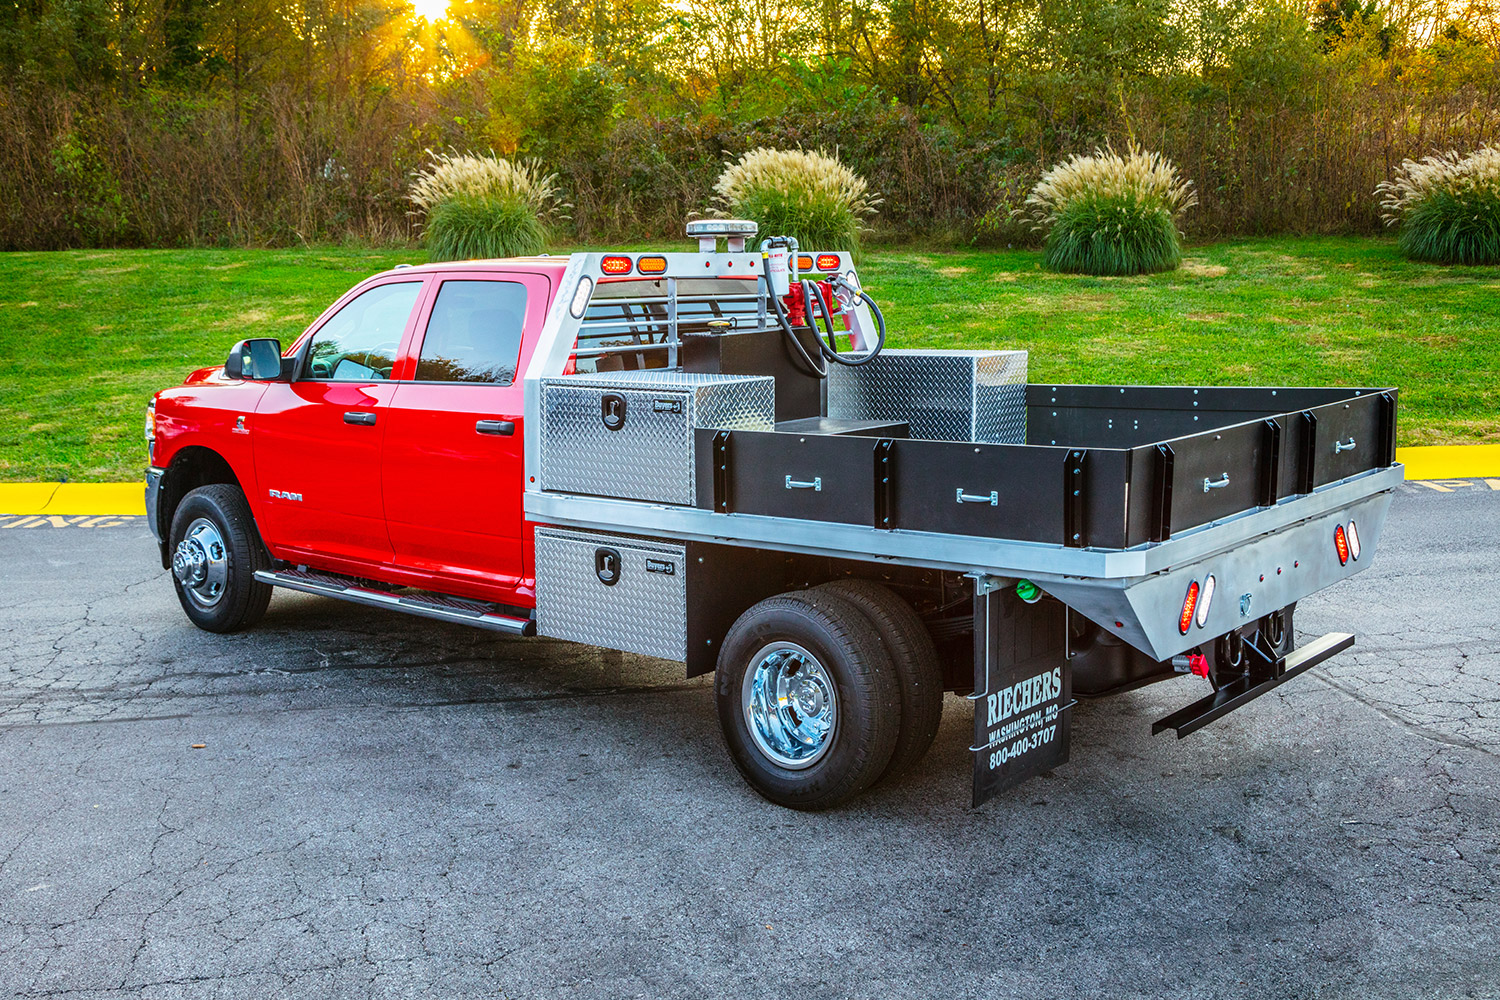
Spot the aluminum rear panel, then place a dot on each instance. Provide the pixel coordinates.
(643, 611)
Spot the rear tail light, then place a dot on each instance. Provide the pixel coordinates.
(804, 262)
(1353, 541)
(1204, 600)
(651, 265)
(828, 262)
(615, 265)
(1189, 606)
(1341, 543)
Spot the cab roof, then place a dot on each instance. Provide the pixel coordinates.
(544, 263)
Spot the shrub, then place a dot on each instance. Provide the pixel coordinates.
(1111, 214)
(811, 196)
(484, 206)
(1448, 207)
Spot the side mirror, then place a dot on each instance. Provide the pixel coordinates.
(258, 360)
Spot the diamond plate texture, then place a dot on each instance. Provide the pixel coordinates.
(643, 612)
(650, 457)
(943, 395)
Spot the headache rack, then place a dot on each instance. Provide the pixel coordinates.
(639, 323)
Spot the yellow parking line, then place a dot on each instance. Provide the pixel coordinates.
(62, 499)
(1432, 462)
(1450, 461)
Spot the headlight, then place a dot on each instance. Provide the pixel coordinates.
(151, 421)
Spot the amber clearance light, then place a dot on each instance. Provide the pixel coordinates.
(651, 265)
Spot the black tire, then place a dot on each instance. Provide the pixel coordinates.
(919, 672)
(240, 600)
(866, 710)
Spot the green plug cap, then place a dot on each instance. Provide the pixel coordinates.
(1028, 591)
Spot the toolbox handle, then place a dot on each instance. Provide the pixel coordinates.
(1339, 446)
(992, 498)
(816, 485)
(1215, 484)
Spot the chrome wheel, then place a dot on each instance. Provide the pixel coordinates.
(201, 563)
(791, 705)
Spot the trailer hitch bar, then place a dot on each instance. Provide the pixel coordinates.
(1252, 685)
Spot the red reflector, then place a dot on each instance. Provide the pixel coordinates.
(615, 265)
(651, 265)
(828, 262)
(1341, 543)
(804, 262)
(1189, 605)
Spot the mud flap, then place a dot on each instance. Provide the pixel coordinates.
(1023, 689)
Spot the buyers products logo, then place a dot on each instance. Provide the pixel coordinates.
(1023, 696)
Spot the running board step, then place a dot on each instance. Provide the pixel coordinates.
(1244, 689)
(459, 610)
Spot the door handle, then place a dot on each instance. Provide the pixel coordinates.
(506, 427)
(364, 417)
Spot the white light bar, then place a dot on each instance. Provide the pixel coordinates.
(735, 231)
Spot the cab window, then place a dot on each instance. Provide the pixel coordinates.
(359, 343)
(474, 334)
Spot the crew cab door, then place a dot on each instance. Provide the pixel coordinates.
(453, 464)
(317, 439)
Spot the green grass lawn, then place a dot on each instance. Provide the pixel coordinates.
(87, 336)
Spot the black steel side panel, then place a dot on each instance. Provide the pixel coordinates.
(1116, 416)
(809, 477)
(1082, 496)
(1027, 483)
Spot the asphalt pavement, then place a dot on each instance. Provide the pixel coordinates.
(389, 807)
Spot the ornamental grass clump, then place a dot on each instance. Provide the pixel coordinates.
(1109, 214)
(1448, 207)
(485, 206)
(792, 192)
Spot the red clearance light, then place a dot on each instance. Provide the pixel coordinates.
(828, 262)
(651, 265)
(804, 262)
(615, 265)
(1341, 543)
(1189, 605)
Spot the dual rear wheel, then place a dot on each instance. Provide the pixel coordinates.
(823, 692)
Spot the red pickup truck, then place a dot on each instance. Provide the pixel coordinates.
(390, 450)
(711, 457)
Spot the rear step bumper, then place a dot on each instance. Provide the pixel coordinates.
(458, 610)
(1244, 689)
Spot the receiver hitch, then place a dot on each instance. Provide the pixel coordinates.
(1266, 672)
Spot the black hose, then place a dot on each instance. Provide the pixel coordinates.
(808, 365)
(831, 352)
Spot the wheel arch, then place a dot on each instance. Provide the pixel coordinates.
(191, 467)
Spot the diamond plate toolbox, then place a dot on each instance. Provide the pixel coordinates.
(612, 591)
(943, 395)
(630, 434)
